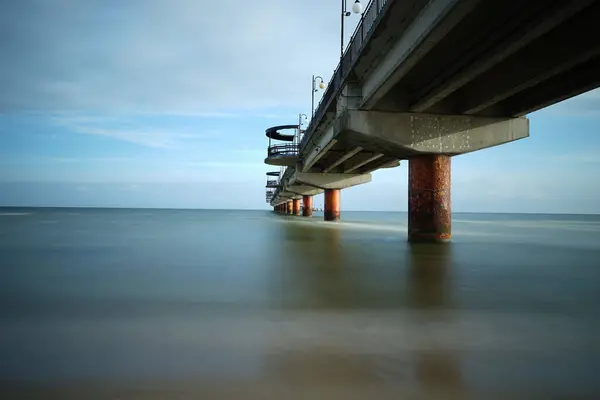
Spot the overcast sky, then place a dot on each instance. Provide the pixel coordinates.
(164, 104)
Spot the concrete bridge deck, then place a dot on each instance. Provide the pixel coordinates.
(427, 80)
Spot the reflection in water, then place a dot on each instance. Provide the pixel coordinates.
(428, 274)
(330, 269)
(179, 298)
(430, 289)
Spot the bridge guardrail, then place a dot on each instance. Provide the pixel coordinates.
(283, 150)
(351, 53)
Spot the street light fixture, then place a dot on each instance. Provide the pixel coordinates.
(300, 125)
(314, 90)
(356, 9)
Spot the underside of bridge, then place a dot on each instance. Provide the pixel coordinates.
(431, 79)
(488, 58)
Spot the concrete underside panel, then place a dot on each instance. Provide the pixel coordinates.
(319, 148)
(407, 134)
(302, 190)
(328, 181)
(288, 195)
(282, 161)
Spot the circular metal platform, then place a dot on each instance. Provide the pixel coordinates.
(282, 155)
(274, 133)
(282, 161)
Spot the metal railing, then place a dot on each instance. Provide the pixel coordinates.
(367, 21)
(269, 195)
(283, 150)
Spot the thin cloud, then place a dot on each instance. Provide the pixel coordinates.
(580, 158)
(133, 131)
(584, 105)
(164, 57)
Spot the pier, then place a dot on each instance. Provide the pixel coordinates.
(425, 81)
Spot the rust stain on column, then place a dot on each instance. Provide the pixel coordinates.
(429, 205)
(296, 206)
(332, 204)
(290, 207)
(307, 202)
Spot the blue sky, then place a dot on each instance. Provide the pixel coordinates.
(165, 103)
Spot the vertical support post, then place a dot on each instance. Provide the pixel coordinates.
(332, 204)
(342, 30)
(290, 207)
(429, 202)
(307, 202)
(296, 203)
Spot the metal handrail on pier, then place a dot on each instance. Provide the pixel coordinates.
(283, 150)
(367, 21)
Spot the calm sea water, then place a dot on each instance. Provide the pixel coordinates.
(102, 303)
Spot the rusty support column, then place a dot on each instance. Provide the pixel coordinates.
(429, 205)
(307, 202)
(290, 207)
(296, 206)
(332, 204)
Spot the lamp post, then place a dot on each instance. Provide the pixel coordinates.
(300, 125)
(314, 89)
(356, 9)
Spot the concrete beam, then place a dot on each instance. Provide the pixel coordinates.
(387, 164)
(361, 162)
(519, 39)
(343, 158)
(287, 195)
(427, 29)
(329, 181)
(323, 144)
(434, 134)
(305, 190)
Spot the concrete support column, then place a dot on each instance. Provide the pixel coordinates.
(290, 207)
(429, 205)
(296, 206)
(332, 204)
(307, 202)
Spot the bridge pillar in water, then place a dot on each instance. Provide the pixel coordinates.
(307, 202)
(429, 203)
(296, 203)
(332, 205)
(290, 207)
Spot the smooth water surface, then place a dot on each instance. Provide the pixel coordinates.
(106, 303)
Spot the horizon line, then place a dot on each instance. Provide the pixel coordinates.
(270, 210)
